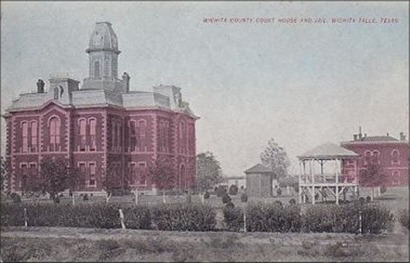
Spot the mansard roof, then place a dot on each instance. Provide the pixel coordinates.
(96, 98)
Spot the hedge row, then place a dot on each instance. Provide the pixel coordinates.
(196, 217)
(328, 218)
(190, 218)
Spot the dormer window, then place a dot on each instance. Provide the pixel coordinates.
(56, 93)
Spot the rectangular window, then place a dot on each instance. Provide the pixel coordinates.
(92, 181)
(24, 174)
(141, 174)
(33, 146)
(132, 174)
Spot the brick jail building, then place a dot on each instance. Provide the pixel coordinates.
(101, 127)
(390, 153)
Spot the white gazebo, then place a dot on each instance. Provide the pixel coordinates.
(322, 174)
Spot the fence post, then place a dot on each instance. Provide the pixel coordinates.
(244, 220)
(122, 219)
(73, 199)
(25, 217)
(360, 222)
(203, 198)
(164, 200)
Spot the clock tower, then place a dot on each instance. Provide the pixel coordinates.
(103, 59)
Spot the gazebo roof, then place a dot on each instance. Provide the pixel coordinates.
(328, 151)
(258, 168)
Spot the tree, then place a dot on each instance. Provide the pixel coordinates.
(373, 176)
(162, 173)
(4, 173)
(275, 157)
(57, 176)
(111, 181)
(208, 171)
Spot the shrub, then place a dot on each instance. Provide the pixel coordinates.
(244, 198)
(230, 205)
(368, 199)
(220, 191)
(85, 197)
(183, 217)
(375, 219)
(273, 218)
(404, 218)
(66, 215)
(16, 198)
(226, 199)
(383, 189)
(233, 189)
(292, 201)
(345, 218)
(12, 215)
(206, 195)
(137, 217)
(233, 218)
(279, 191)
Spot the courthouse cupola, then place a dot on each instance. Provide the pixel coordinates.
(103, 38)
(103, 59)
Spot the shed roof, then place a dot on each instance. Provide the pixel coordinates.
(258, 168)
(328, 151)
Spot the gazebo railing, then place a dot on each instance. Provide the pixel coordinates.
(328, 178)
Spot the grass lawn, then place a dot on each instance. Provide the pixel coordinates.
(77, 244)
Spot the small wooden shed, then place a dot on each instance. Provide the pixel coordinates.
(259, 181)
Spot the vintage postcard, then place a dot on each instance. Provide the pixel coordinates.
(204, 131)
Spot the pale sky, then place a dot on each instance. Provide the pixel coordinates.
(301, 84)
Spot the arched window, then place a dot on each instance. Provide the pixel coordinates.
(33, 136)
(25, 136)
(93, 134)
(54, 125)
(56, 91)
(367, 157)
(97, 69)
(376, 156)
(395, 157)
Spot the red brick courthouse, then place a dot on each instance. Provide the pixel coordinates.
(102, 126)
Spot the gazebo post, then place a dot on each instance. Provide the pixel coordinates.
(313, 181)
(300, 182)
(337, 182)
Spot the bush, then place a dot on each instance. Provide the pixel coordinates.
(330, 218)
(368, 199)
(85, 197)
(404, 218)
(226, 199)
(206, 195)
(66, 215)
(244, 198)
(345, 218)
(183, 217)
(233, 190)
(229, 205)
(383, 189)
(16, 198)
(137, 217)
(375, 219)
(292, 201)
(273, 218)
(279, 191)
(233, 218)
(220, 191)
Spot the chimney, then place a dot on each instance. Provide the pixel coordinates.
(360, 132)
(40, 86)
(126, 79)
(402, 136)
(354, 137)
